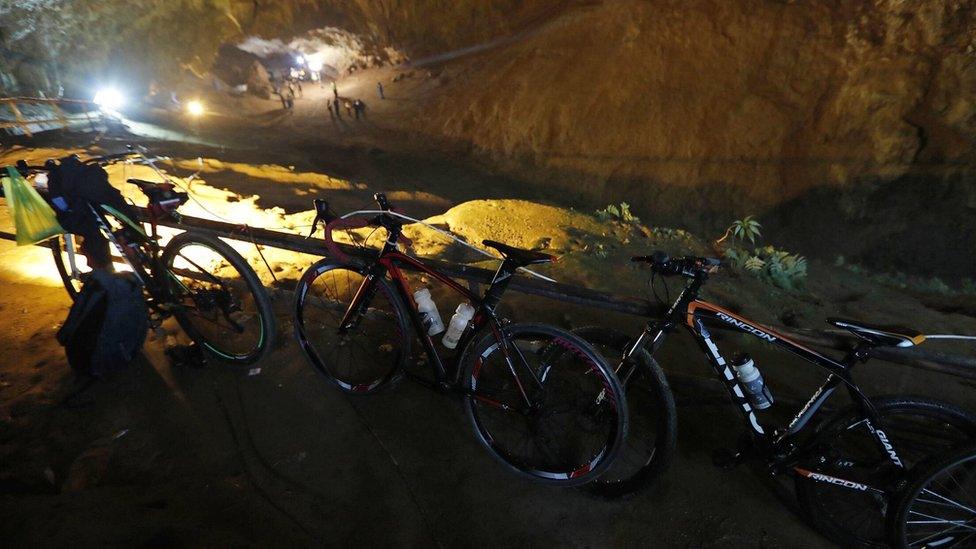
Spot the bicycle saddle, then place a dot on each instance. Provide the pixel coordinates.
(518, 255)
(888, 336)
(162, 195)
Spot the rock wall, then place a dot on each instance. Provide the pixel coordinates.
(761, 98)
(694, 111)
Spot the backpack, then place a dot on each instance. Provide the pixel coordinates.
(107, 324)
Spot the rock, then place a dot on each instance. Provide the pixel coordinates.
(257, 81)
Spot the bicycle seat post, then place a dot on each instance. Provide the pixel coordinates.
(498, 284)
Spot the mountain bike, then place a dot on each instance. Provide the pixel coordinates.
(846, 469)
(937, 507)
(200, 280)
(541, 400)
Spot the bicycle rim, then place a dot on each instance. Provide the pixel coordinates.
(214, 301)
(361, 358)
(941, 510)
(561, 419)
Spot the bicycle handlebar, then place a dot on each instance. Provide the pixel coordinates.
(324, 214)
(689, 266)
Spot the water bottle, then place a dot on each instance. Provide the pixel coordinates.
(751, 380)
(428, 312)
(463, 315)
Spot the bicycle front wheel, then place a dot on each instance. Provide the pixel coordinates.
(917, 428)
(217, 298)
(653, 421)
(938, 506)
(544, 403)
(367, 354)
(71, 264)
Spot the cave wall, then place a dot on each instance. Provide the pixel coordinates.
(694, 111)
(758, 99)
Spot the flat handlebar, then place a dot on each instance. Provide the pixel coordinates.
(689, 266)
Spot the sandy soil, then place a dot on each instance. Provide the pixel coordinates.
(169, 455)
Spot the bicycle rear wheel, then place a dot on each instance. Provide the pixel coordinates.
(653, 421)
(916, 427)
(544, 403)
(217, 298)
(938, 506)
(362, 358)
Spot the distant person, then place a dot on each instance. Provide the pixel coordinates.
(379, 88)
(284, 102)
(347, 103)
(338, 113)
(335, 90)
(289, 96)
(360, 108)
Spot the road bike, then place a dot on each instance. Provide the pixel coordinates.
(215, 296)
(541, 400)
(937, 507)
(846, 468)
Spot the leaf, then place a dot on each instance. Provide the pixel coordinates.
(755, 264)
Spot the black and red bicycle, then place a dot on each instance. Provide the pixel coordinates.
(540, 399)
(847, 467)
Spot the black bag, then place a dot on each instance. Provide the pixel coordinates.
(107, 324)
(72, 186)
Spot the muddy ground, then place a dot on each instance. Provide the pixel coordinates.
(171, 456)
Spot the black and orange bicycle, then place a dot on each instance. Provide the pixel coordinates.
(847, 467)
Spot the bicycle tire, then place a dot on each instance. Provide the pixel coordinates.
(652, 417)
(926, 480)
(603, 404)
(314, 331)
(950, 426)
(217, 345)
(57, 245)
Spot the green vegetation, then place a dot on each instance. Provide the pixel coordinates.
(617, 213)
(778, 267)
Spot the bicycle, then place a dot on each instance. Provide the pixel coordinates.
(542, 401)
(937, 507)
(200, 280)
(845, 469)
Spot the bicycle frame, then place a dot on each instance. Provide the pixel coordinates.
(388, 264)
(778, 446)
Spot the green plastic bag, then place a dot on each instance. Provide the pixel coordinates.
(33, 217)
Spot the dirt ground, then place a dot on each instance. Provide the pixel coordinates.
(171, 456)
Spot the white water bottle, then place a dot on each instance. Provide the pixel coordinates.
(463, 315)
(428, 312)
(752, 381)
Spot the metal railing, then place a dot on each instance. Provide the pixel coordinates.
(935, 361)
(54, 115)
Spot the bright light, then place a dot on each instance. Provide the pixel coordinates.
(109, 99)
(315, 61)
(194, 107)
(300, 60)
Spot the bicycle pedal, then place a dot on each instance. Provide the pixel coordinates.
(723, 458)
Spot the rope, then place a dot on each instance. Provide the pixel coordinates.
(444, 233)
